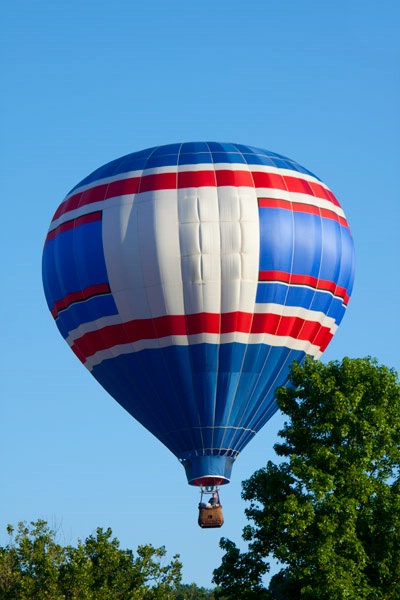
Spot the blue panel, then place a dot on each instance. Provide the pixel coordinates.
(331, 305)
(231, 357)
(86, 311)
(307, 244)
(276, 240)
(162, 161)
(60, 253)
(195, 159)
(51, 284)
(221, 148)
(317, 244)
(178, 362)
(171, 149)
(330, 260)
(251, 150)
(130, 162)
(232, 157)
(204, 358)
(258, 159)
(192, 426)
(346, 276)
(194, 148)
(296, 167)
(300, 296)
(277, 293)
(151, 400)
(88, 245)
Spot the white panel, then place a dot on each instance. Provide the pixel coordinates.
(211, 295)
(200, 247)
(229, 207)
(123, 260)
(209, 234)
(230, 300)
(230, 237)
(183, 252)
(139, 254)
(240, 239)
(250, 250)
(208, 209)
(167, 296)
(188, 207)
(211, 269)
(189, 235)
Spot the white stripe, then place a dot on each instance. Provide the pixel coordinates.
(297, 311)
(155, 344)
(91, 326)
(301, 198)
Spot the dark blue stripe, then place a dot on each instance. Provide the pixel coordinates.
(85, 312)
(281, 293)
(64, 274)
(195, 159)
(130, 162)
(194, 148)
(191, 153)
(194, 398)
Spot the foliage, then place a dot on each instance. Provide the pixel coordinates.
(34, 566)
(330, 511)
(193, 592)
(239, 575)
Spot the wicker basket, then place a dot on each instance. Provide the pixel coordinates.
(211, 516)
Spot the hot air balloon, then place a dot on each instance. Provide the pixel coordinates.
(187, 278)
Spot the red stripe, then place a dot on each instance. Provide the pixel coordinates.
(269, 180)
(98, 193)
(235, 178)
(88, 218)
(159, 181)
(293, 184)
(314, 282)
(301, 207)
(147, 329)
(94, 290)
(185, 179)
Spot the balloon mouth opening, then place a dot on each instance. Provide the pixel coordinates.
(208, 470)
(209, 481)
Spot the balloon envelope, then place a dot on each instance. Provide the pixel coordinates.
(187, 278)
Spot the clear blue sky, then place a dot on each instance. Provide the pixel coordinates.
(86, 82)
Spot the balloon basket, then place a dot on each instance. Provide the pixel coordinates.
(210, 512)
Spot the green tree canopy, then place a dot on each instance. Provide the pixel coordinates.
(33, 566)
(330, 511)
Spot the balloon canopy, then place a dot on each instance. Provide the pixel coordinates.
(187, 278)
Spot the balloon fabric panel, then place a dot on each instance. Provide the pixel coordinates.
(188, 277)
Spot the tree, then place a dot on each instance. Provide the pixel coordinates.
(240, 574)
(34, 566)
(193, 592)
(29, 564)
(330, 511)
